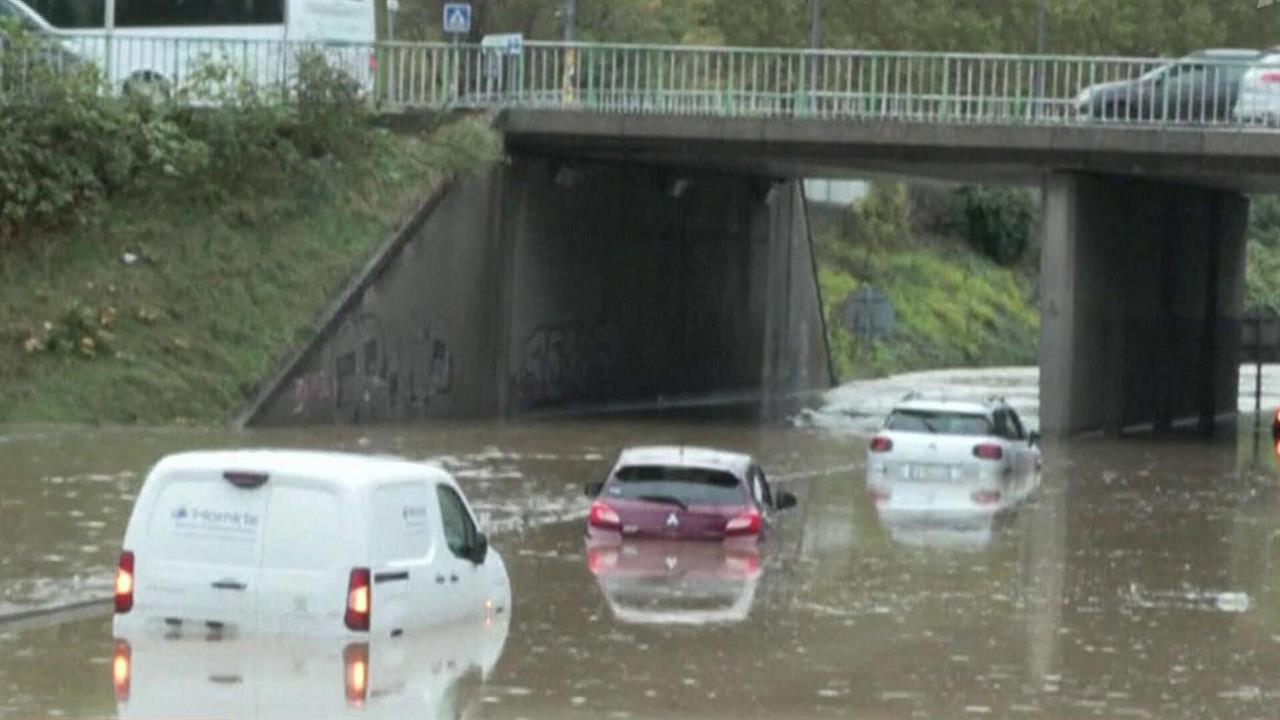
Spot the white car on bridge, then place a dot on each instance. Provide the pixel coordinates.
(948, 457)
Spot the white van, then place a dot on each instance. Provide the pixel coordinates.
(288, 541)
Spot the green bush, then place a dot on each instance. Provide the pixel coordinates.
(1264, 220)
(996, 222)
(1262, 277)
(66, 146)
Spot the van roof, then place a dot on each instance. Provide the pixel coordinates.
(339, 468)
(683, 456)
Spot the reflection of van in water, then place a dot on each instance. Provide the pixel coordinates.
(436, 673)
(303, 542)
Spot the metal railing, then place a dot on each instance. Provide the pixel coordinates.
(731, 82)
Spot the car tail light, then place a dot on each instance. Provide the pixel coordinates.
(373, 62)
(1269, 78)
(603, 516)
(986, 497)
(881, 444)
(988, 451)
(748, 523)
(125, 582)
(355, 672)
(359, 600)
(122, 670)
(879, 496)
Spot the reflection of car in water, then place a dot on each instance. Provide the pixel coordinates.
(952, 457)
(657, 582)
(430, 674)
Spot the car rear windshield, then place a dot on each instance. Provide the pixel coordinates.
(690, 486)
(941, 423)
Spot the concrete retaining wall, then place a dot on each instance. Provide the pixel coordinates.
(544, 285)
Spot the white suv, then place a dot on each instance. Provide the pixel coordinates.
(940, 455)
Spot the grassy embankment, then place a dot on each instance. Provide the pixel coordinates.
(214, 295)
(954, 307)
(159, 256)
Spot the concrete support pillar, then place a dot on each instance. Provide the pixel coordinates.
(1142, 291)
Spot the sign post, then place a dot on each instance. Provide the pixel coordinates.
(457, 19)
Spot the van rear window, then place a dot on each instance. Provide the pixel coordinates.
(201, 518)
(304, 531)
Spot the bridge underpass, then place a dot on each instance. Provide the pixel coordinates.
(547, 285)
(1142, 240)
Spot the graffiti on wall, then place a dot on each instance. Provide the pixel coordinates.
(567, 362)
(371, 373)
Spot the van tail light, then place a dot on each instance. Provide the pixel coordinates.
(122, 670)
(359, 600)
(986, 498)
(602, 516)
(879, 496)
(125, 581)
(988, 451)
(748, 523)
(881, 444)
(355, 673)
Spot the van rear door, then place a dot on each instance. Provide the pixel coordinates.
(306, 558)
(200, 560)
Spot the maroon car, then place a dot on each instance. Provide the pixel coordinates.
(683, 493)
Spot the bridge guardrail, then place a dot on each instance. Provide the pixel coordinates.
(687, 80)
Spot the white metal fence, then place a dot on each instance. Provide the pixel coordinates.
(736, 82)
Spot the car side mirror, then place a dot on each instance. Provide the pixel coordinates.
(593, 489)
(479, 549)
(1033, 439)
(785, 500)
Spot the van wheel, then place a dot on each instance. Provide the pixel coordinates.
(149, 85)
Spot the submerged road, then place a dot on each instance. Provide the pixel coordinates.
(1141, 580)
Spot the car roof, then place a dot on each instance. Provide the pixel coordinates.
(968, 407)
(346, 469)
(686, 456)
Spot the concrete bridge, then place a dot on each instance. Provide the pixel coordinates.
(652, 197)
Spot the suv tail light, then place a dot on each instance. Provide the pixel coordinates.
(748, 523)
(986, 497)
(359, 600)
(881, 444)
(125, 582)
(122, 670)
(603, 516)
(988, 451)
(355, 671)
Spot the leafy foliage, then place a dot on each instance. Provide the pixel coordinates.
(67, 147)
(996, 221)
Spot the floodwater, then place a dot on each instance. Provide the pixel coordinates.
(1141, 579)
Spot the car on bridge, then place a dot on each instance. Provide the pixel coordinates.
(951, 458)
(1199, 88)
(1259, 98)
(683, 493)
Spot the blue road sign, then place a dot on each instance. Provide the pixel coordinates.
(457, 17)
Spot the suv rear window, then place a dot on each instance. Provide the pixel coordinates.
(691, 486)
(941, 423)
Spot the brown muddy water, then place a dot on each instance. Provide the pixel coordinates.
(1142, 579)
